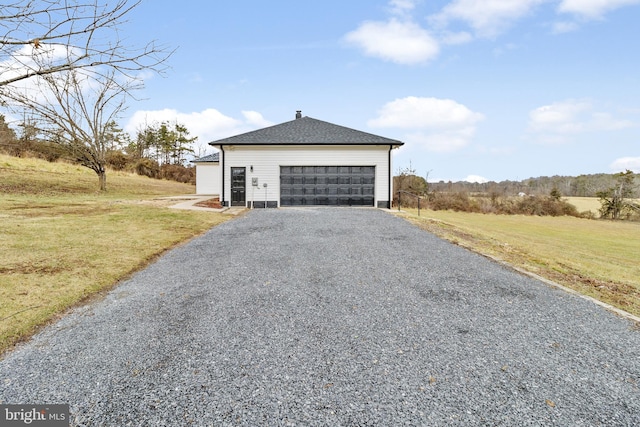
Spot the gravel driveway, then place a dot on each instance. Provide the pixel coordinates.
(333, 317)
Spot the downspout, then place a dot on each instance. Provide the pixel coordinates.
(222, 201)
(390, 183)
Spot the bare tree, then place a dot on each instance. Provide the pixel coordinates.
(65, 64)
(75, 111)
(33, 31)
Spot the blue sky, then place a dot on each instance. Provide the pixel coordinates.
(478, 90)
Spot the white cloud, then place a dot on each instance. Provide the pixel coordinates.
(402, 42)
(90, 79)
(402, 7)
(253, 118)
(556, 122)
(435, 124)
(593, 9)
(586, 10)
(415, 112)
(564, 27)
(451, 38)
(488, 18)
(30, 58)
(476, 178)
(208, 125)
(560, 117)
(626, 163)
(607, 122)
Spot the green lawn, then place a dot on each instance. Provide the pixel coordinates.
(62, 241)
(591, 204)
(584, 204)
(598, 258)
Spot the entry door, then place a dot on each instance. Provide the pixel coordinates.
(238, 187)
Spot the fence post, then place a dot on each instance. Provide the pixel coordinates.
(418, 205)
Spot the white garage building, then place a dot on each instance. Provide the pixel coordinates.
(208, 176)
(304, 162)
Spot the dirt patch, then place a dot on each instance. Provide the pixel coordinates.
(621, 295)
(42, 211)
(31, 269)
(160, 203)
(210, 203)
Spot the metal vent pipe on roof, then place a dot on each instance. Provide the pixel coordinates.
(298, 114)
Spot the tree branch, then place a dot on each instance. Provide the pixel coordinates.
(31, 27)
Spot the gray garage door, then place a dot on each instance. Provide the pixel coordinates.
(327, 185)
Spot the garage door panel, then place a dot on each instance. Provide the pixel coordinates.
(327, 185)
(332, 180)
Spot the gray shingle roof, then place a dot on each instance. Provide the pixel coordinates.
(215, 157)
(306, 131)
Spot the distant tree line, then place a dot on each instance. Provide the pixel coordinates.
(158, 150)
(533, 196)
(567, 186)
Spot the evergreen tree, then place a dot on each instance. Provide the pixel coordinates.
(614, 200)
(8, 139)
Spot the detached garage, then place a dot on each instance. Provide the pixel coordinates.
(306, 162)
(208, 174)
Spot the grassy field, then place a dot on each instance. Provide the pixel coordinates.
(594, 257)
(592, 204)
(584, 204)
(63, 242)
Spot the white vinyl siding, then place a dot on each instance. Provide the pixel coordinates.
(208, 178)
(266, 162)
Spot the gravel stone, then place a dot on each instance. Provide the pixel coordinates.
(331, 316)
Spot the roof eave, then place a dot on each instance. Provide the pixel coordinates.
(285, 144)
